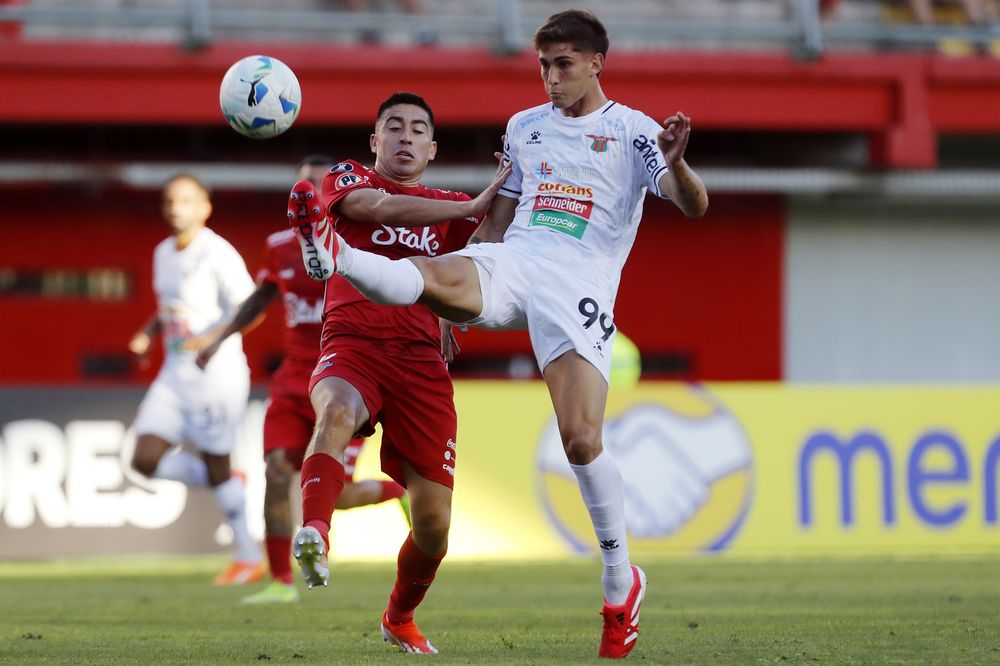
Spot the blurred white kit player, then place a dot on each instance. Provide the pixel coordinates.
(196, 289)
(199, 280)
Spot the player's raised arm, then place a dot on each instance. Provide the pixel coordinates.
(497, 220)
(501, 212)
(375, 207)
(247, 316)
(679, 181)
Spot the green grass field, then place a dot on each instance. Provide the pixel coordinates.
(713, 610)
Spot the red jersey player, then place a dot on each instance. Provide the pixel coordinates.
(384, 364)
(289, 421)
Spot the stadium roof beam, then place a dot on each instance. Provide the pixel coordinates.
(981, 184)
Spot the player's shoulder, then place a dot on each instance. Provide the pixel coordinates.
(522, 120)
(631, 118)
(165, 246)
(347, 174)
(216, 244)
(349, 166)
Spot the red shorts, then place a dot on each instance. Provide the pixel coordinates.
(289, 421)
(410, 393)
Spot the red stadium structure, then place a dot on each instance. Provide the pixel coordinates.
(703, 300)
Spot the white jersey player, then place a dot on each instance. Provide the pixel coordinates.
(579, 184)
(575, 173)
(199, 280)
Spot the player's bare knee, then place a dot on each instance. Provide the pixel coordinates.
(448, 288)
(278, 476)
(581, 444)
(430, 532)
(332, 422)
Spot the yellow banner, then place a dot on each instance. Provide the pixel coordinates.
(766, 469)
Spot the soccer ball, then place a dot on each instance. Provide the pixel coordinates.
(260, 97)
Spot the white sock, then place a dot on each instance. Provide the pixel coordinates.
(382, 280)
(179, 465)
(231, 499)
(600, 484)
(316, 243)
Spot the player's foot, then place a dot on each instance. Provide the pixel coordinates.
(404, 504)
(621, 623)
(241, 573)
(317, 239)
(406, 637)
(310, 552)
(276, 592)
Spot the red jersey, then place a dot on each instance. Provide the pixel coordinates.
(347, 312)
(301, 295)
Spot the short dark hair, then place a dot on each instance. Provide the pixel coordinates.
(185, 175)
(577, 27)
(316, 159)
(405, 98)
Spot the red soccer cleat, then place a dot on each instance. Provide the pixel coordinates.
(317, 239)
(406, 636)
(621, 623)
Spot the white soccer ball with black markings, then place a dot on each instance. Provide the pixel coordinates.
(260, 97)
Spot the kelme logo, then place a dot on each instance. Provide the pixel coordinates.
(687, 467)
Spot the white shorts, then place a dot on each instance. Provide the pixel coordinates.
(561, 311)
(187, 404)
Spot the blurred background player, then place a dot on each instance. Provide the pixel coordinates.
(585, 217)
(290, 418)
(199, 279)
(386, 364)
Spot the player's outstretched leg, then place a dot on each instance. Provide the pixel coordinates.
(621, 623)
(317, 239)
(309, 550)
(406, 636)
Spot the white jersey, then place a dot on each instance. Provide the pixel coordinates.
(580, 185)
(197, 289)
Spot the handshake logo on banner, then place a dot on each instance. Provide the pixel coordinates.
(686, 469)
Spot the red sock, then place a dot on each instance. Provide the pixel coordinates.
(279, 550)
(322, 483)
(391, 490)
(414, 574)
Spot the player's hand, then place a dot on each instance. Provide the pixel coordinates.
(139, 347)
(481, 204)
(673, 138)
(206, 353)
(449, 344)
(139, 344)
(500, 157)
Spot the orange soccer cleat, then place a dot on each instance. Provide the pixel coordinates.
(406, 636)
(318, 241)
(241, 573)
(621, 623)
